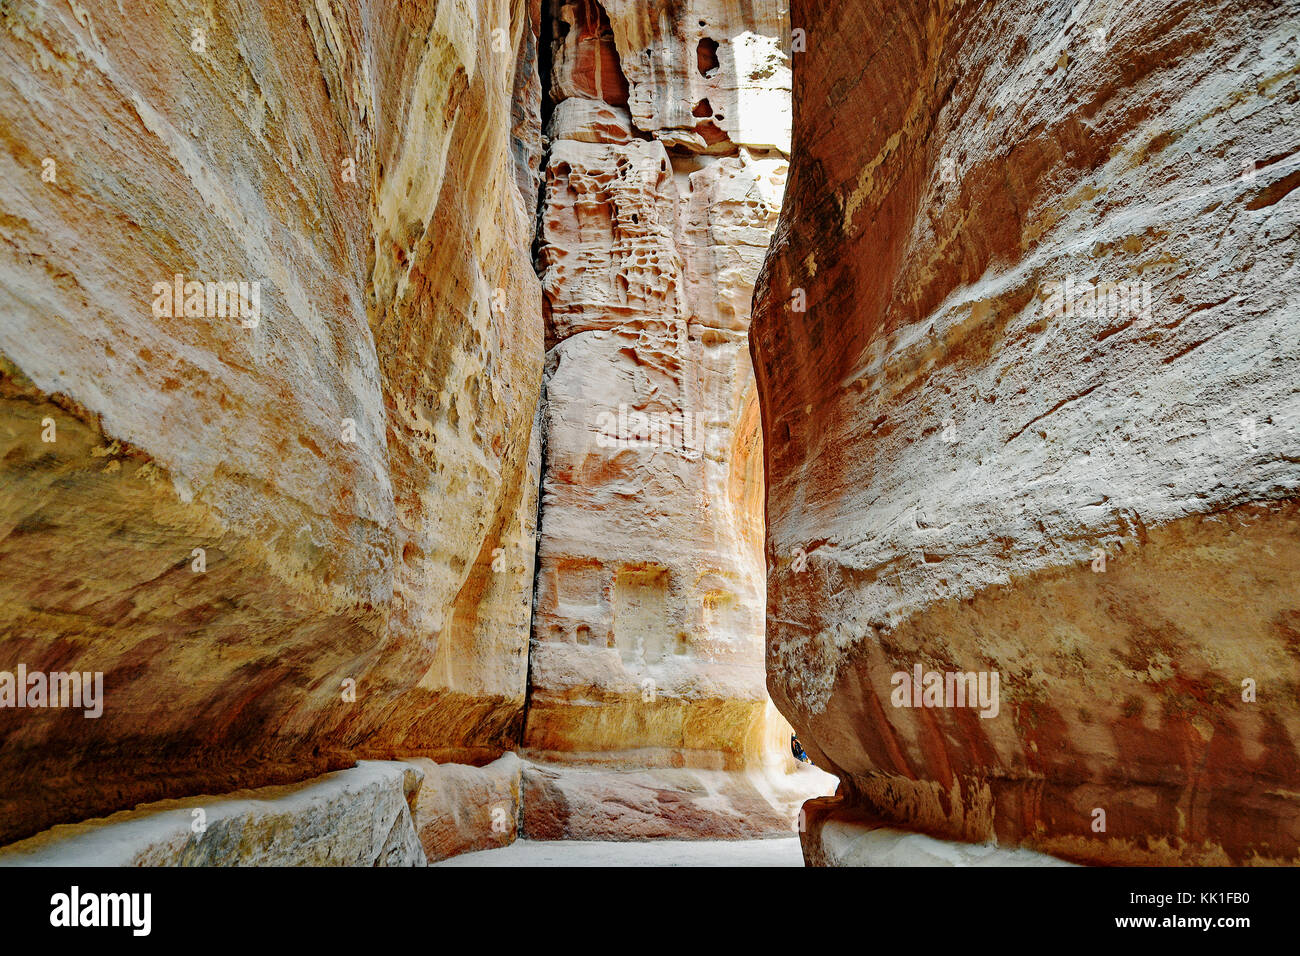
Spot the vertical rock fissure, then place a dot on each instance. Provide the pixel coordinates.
(545, 61)
(660, 186)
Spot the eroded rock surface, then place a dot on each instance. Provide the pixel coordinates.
(231, 516)
(972, 467)
(660, 191)
(649, 611)
(462, 809)
(663, 803)
(356, 817)
(834, 835)
(705, 75)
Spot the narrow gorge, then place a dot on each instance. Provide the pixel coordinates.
(431, 426)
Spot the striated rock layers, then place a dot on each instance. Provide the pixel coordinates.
(648, 632)
(1027, 352)
(363, 816)
(656, 213)
(290, 521)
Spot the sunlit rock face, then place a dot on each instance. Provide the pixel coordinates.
(706, 75)
(244, 521)
(972, 466)
(647, 642)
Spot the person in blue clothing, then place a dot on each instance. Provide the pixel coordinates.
(796, 748)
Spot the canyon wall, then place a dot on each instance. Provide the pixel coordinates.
(366, 816)
(666, 164)
(1026, 347)
(300, 532)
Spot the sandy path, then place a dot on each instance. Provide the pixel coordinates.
(776, 852)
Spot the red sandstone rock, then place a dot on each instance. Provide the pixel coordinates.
(359, 467)
(956, 440)
(663, 803)
(648, 621)
(460, 809)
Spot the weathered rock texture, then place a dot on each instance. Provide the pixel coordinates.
(704, 75)
(400, 308)
(356, 817)
(948, 447)
(663, 803)
(661, 189)
(461, 809)
(833, 835)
